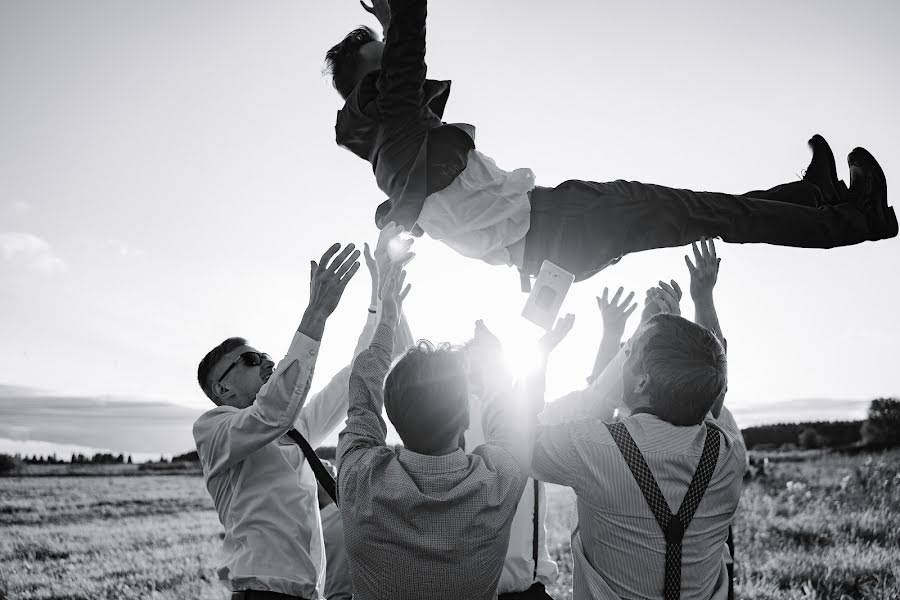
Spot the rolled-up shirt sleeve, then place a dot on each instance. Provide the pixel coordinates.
(227, 435)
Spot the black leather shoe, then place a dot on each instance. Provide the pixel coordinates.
(868, 190)
(822, 172)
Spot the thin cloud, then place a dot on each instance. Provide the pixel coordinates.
(28, 250)
(124, 249)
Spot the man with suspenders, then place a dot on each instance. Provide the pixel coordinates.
(656, 491)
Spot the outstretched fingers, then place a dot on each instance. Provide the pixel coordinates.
(340, 259)
(348, 275)
(328, 254)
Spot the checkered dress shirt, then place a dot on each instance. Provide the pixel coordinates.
(419, 526)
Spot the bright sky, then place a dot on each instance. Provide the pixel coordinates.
(167, 171)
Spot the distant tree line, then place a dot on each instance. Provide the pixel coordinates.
(880, 430)
(77, 459)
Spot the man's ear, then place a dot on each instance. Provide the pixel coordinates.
(220, 391)
(641, 384)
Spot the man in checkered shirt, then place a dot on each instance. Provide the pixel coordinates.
(429, 520)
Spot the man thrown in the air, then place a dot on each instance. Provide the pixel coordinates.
(437, 182)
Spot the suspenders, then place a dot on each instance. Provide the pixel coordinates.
(534, 538)
(673, 524)
(319, 470)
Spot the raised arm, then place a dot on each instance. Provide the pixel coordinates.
(365, 427)
(403, 59)
(229, 434)
(327, 409)
(614, 316)
(511, 420)
(703, 279)
(601, 398)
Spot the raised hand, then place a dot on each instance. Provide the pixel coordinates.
(380, 9)
(391, 248)
(393, 293)
(662, 299)
(552, 338)
(614, 314)
(373, 274)
(706, 272)
(329, 279)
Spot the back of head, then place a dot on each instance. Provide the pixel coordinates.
(343, 60)
(687, 369)
(426, 397)
(212, 358)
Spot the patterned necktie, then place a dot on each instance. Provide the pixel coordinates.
(673, 525)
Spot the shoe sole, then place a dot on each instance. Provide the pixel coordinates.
(887, 218)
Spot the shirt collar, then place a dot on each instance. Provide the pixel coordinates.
(426, 463)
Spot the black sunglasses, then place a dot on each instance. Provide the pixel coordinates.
(250, 358)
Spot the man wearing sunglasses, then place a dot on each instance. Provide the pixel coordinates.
(263, 488)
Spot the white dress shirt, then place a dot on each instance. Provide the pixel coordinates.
(618, 548)
(518, 568)
(260, 482)
(482, 212)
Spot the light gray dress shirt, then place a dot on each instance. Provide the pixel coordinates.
(618, 548)
(262, 487)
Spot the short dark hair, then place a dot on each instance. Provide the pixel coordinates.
(687, 367)
(427, 397)
(211, 359)
(342, 60)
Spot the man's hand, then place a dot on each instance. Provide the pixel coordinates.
(373, 274)
(393, 294)
(391, 248)
(706, 273)
(664, 298)
(552, 338)
(381, 10)
(327, 283)
(615, 315)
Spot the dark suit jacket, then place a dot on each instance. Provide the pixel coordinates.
(393, 120)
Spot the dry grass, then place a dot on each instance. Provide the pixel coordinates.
(826, 527)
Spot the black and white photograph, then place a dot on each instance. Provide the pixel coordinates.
(421, 300)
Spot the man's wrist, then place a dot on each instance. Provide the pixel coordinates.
(389, 318)
(703, 298)
(611, 342)
(312, 324)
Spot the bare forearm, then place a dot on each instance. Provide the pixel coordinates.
(705, 315)
(312, 324)
(605, 353)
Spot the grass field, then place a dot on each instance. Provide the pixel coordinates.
(824, 527)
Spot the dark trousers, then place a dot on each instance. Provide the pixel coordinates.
(584, 226)
(535, 592)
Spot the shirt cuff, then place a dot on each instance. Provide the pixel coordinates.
(302, 346)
